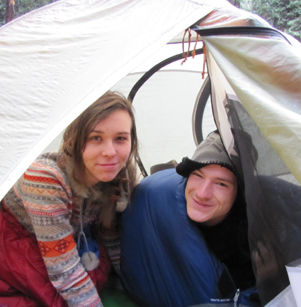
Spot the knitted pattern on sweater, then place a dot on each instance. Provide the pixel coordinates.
(46, 205)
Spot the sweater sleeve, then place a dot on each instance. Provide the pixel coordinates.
(48, 201)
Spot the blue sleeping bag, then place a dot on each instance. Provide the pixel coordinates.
(164, 258)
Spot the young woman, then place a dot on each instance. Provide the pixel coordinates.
(56, 220)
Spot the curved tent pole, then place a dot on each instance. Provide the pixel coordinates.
(145, 77)
(199, 109)
(157, 67)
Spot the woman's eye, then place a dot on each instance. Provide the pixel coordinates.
(121, 138)
(95, 138)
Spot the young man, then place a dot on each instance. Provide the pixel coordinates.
(184, 235)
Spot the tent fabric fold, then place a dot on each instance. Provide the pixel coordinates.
(256, 104)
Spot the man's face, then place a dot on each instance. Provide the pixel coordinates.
(210, 193)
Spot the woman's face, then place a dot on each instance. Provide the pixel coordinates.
(108, 147)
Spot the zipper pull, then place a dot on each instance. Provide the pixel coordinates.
(235, 299)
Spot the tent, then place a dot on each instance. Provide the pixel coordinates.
(57, 60)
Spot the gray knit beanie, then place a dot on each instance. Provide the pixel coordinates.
(210, 151)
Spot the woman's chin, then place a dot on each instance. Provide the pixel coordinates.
(106, 177)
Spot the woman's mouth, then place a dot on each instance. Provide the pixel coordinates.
(108, 166)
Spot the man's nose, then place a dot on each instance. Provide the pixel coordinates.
(204, 190)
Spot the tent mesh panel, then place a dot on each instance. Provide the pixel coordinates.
(273, 204)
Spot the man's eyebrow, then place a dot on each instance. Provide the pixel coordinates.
(225, 179)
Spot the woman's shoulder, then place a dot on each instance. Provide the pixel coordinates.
(47, 160)
(44, 166)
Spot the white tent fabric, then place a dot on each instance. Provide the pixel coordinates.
(57, 60)
(294, 274)
(285, 298)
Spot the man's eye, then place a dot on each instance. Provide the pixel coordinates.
(197, 174)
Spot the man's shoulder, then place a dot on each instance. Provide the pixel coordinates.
(160, 190)
(161, 180)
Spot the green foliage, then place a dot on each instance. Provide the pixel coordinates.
(21, 7)
(284, 15)
(2, 12)
(24, 6)
(294, 19)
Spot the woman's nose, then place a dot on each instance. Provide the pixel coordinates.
(109, 149)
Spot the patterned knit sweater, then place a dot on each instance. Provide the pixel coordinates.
(46, 205)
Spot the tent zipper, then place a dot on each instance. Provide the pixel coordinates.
(239, 31)
(236, 296)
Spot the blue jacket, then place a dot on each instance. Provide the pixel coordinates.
(164, 258)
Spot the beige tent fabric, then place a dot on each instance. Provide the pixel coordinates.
(265, 73)
(266, 78)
